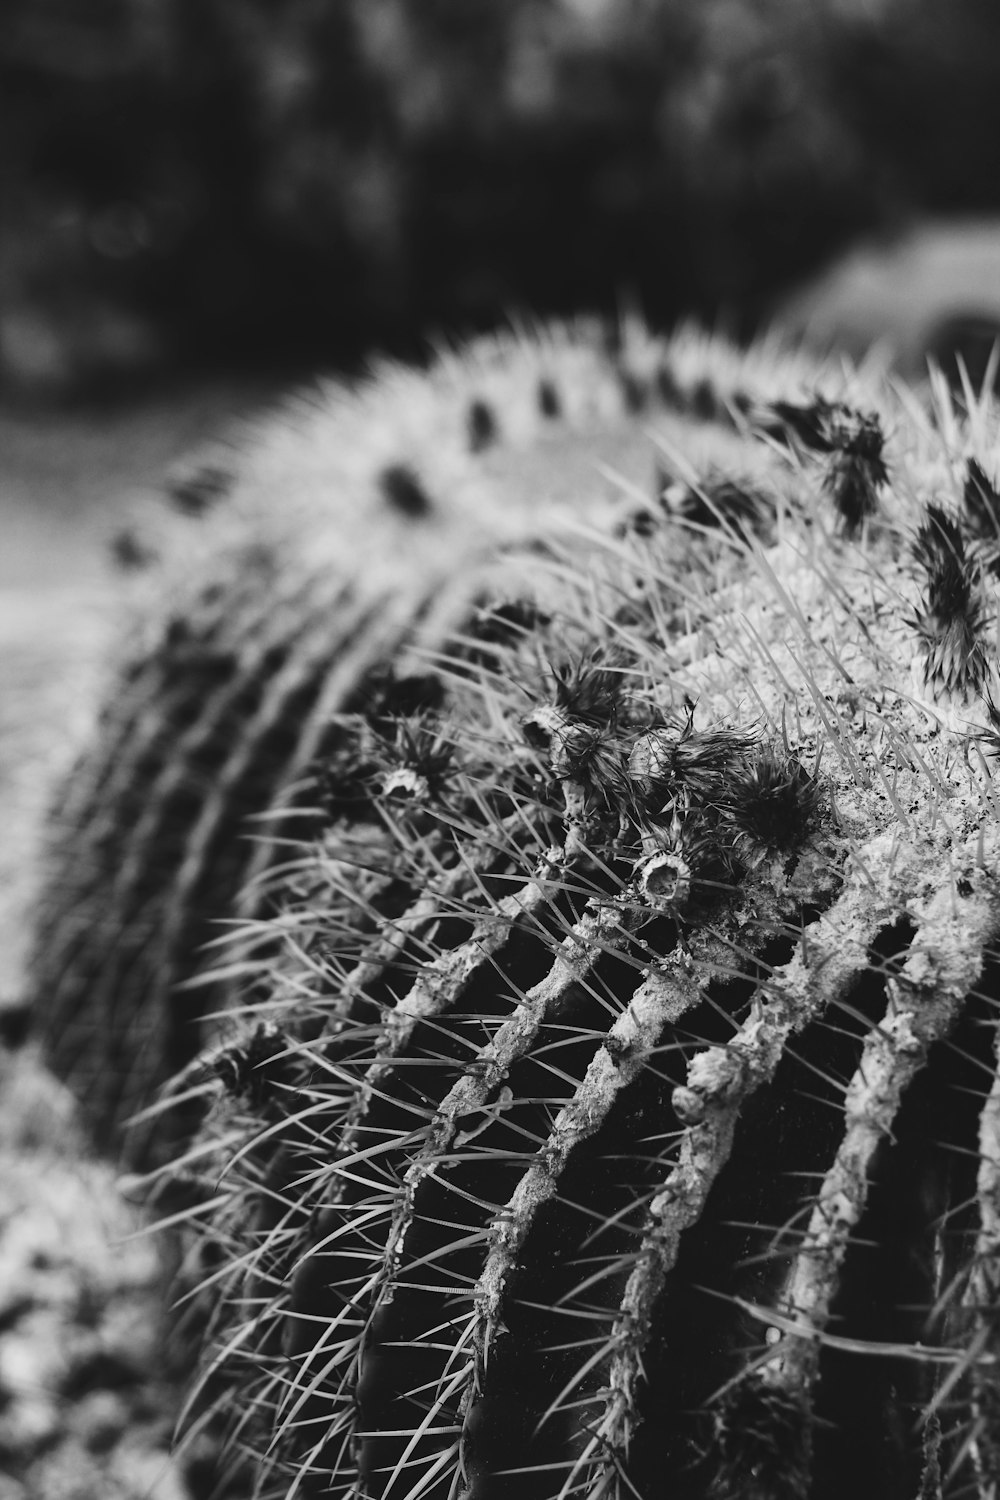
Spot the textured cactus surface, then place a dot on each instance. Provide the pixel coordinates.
(349, 537)
(608, 1104)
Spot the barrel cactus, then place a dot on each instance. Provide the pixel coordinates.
(296, 573)
(605, 1100)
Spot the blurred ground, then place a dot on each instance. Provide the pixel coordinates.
(85, 1411)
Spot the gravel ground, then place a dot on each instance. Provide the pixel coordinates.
(86, 1411)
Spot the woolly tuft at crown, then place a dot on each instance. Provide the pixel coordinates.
(606, 1101)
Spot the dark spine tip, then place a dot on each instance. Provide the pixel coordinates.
(15, 1025)
(618, 1049)
(536, 734)
(418, 763)
(809, 424)
(641, 522)
(704, 401)
(950, 617)
(383, 697)
(991, 735)
(589, 690)
(940, 551)
(667, 387)
(981, 501)
(774, 800)
(762, 1444)
(857, 467)
(401, 489)
(549, 404)
(482, 426)
(719, 502)
(253, 1069)
(194, 494)
(855, 497)
(506, 623)
(129, 553)
(635, 392)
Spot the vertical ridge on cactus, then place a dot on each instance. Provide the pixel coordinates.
(598, 797)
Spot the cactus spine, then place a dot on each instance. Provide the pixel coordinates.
(614, 1105)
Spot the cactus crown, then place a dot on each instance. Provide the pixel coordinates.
(613, 1101)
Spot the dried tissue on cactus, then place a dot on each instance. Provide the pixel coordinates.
(606, 1101)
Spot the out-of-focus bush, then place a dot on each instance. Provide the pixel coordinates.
(307, 177)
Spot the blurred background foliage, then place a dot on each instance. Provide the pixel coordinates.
(233, 181)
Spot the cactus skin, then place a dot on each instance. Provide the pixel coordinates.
(615, 1108)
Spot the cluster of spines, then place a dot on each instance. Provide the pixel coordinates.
(950, 619)
(853, 443)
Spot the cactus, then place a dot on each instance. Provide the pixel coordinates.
(283, 584)
(608, 1103)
